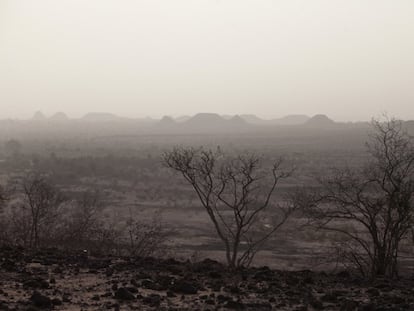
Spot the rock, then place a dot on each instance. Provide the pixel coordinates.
(109, 272)
(233, 289)
(309, 280)
(184, 287)
(36, 283)
(40, 300)
(263, 274)
(384, 285)
(222, 299)
(216, 286)
(234, 305)
(332, 296)
(259, 306)
(368, 307)
(57, 270)
(9, 265)
(373, 292)
(124, 294)
(208, 265)
(56, 302)
(349, 305)
(148, 283)
(215, 274)
(316, 304)
(66, 297)
(106, 294)
(164, 282)
(153, 300)
(132, 289)
(343, 274)
(210, 302)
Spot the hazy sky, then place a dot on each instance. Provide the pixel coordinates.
(349, 59)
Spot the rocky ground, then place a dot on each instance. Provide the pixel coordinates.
(54, 280)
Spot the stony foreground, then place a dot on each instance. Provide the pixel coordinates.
(51, 280)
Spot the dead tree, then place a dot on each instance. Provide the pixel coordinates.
(376, 201)
(42, 201)
(235, 192)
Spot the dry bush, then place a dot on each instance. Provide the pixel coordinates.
(40, 216)
(146, 238)
(78, 220)
(105, 239)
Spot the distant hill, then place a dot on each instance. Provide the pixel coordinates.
(182, 118)
(227, 116)
(293, 119)
(213, 122)
(39, 116)
(167, 121)
(205, 119)
(59, 116)
(320, 120)
(252, 119)
(237, 120)
(100, 116)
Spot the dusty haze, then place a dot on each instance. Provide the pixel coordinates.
(348, 59)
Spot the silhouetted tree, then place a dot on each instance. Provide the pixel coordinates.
(234, 191)
(376, 201)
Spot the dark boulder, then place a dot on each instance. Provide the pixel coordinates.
(234, 305)
(41, 301)
(124, 294)
(153, 300)
(184, 287)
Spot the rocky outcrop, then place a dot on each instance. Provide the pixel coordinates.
(61, 281)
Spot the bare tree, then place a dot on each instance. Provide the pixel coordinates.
(235, 192)
(375, 202)
(42, 201)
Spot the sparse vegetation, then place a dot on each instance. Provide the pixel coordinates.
(42, 216)
(134, 186)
